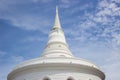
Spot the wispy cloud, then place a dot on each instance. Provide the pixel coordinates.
(105, 56)
(12, 11)
(100, 27)
(17, 59)
(67, 3)
(8, 65)
(2, 53)
(112, 65)
(34, 39)
(43, 1)
(101, 24)
(114, 68)
(32, 23)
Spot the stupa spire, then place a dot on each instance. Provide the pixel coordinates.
(57, 45)
(57, 34)
(57, 20)
(56, 9)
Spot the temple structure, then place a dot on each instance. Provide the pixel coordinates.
(56, 62)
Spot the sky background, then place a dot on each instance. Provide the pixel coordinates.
(91, 27)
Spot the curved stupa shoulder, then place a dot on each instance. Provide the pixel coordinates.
(56, 62)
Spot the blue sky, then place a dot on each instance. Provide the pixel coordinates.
(92, 30)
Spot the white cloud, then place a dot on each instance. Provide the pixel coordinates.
(8, 5)
(87, 24)
(111, 66)
(102, 54)
(104, 23)
(103, 4)
(68, 3)
(5, 70)
(17, 59)
(102, 27)
(29, 22)
(43, 1)
(32, 23)
(112, 71)
(2, 53)
(117, 1)
(108, 8)
(8, 66)
(116, 38)
(34, 39)
(20, 18)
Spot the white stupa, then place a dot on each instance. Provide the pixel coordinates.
(56, 62)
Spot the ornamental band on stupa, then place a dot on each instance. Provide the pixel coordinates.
(56, 62)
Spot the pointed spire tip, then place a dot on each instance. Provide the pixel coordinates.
(57, 24)
(56, 9)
